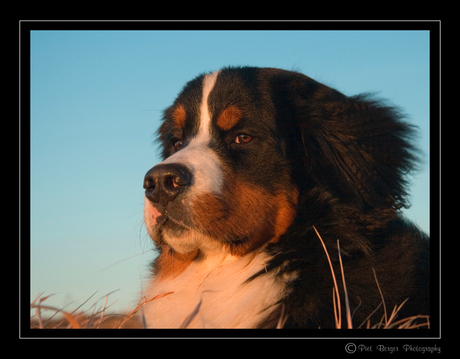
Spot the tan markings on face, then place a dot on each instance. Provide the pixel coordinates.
(229, 118)
(178, 116)
(247, 217)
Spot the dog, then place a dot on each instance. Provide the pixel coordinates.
(266, 173)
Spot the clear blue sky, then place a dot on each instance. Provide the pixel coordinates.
(96, 101)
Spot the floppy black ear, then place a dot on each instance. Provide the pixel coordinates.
(357, 147)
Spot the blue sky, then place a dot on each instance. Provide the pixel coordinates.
(96, 101)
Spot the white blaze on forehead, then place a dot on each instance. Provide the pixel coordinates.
(203, 162)
(204, 133)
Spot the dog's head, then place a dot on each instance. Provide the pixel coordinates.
(241, 146)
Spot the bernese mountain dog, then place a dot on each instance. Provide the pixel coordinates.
(261, 167)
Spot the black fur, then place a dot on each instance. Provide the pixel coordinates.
(349, 158)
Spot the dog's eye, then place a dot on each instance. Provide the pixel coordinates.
(177, 145)
(243, 139)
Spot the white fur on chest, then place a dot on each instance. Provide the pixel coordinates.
(212, 293)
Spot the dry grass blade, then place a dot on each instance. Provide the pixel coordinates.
(395, 311)
(67, 315)
(282, 319)
(367, 320)
(38, 312)
(381, 295)
(386, 322)
(410, 323)
(86, 301)
(347, 303)
(114, 264)
(71, 320)
(39, 317)
(406, 323)
(103, 310)
(338, 312)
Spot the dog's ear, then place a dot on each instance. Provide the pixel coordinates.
(358, 148)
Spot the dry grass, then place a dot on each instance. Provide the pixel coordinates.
(386, 322)
(100, 319)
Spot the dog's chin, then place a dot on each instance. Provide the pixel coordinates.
(190, 241)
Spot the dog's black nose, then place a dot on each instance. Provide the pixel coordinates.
(164, 182)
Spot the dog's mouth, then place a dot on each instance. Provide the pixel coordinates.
(163, 218)
(158, 216)
(174, 228)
